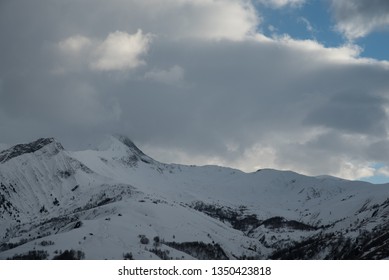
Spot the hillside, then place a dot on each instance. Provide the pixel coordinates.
(116, 201)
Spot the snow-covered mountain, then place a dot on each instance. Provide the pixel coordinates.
(116, 202)
(3, 146)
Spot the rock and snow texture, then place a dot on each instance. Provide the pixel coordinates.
(116, 202)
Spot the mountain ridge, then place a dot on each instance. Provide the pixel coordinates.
(20, 149)
(116, 194)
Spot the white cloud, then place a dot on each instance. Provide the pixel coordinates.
(282, 3)
(346, 53)
(350, 170)
(358, 18)
(307, 24)
(120, 51)
(272, 28)
(232, 20)
(200, 19)
(172, 76)
(383, 171)
(74, 45)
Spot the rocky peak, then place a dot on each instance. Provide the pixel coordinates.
(32, 147)
(128, 143)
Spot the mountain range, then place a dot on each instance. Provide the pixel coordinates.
(115, 202)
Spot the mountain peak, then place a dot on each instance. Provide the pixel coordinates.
(32, 147)
(128, 143)
(121, 145)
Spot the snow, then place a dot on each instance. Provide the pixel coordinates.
(119, 193)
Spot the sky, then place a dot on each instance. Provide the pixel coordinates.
(296, 85)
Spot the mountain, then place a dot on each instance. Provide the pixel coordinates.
(116, 202)
(3, 146)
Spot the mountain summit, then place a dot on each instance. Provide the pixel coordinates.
(117, 202)
(122, 145)
(126, 141)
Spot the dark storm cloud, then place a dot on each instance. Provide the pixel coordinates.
(180, 84)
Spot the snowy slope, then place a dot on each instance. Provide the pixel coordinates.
(108, 202)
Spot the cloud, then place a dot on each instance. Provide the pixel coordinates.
(120, 51)
(358, 18)
(272, 97)
(378, 151)
(272, 29)
(355, 112)
(203, 91)
(383, 171)
(349, 170)
(346, 53)
(205, 19)
(282, 3)
(172, 76)
(176, 19)
(307, 24)
(74, 45)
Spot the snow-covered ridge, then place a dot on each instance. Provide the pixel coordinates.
(21, 149)
(107, 202)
